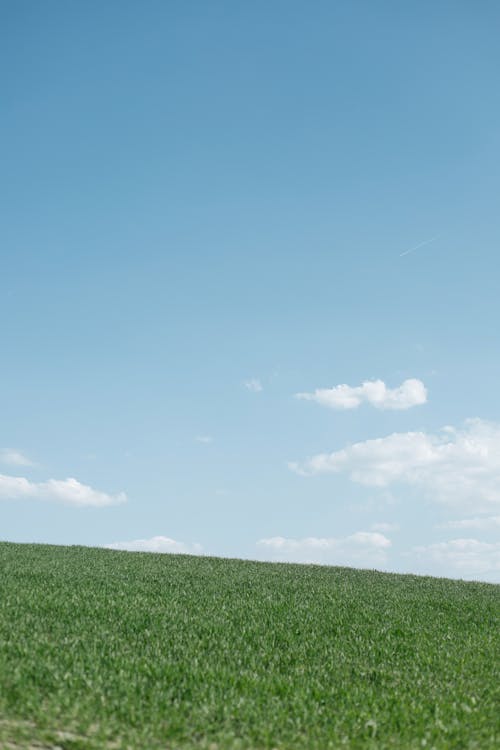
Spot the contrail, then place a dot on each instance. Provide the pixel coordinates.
(421, 244)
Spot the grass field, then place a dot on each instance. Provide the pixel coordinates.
(106, 649)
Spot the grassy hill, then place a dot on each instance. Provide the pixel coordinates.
(104, 649)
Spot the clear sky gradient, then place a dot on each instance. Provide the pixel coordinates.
(206, 209)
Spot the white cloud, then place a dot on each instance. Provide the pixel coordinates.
(14, 458)
(68, 491)
(204, 439)
(482, 523)
(158, 544)
(459, 467)
(364, 548)
(385, 527)
(410, 393)
(253, 385)
(469, 558)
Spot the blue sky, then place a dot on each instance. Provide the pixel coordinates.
(206, 210)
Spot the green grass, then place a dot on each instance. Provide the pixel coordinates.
(104, 649)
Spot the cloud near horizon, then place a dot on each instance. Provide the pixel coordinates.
(385, 526)
(206, 439)
(411, 392)
(483, 523)
(12, 457)
(254, 385)
(458, 467)
(157, 544)
(467, 557)
(364, 548)
(68, 491)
